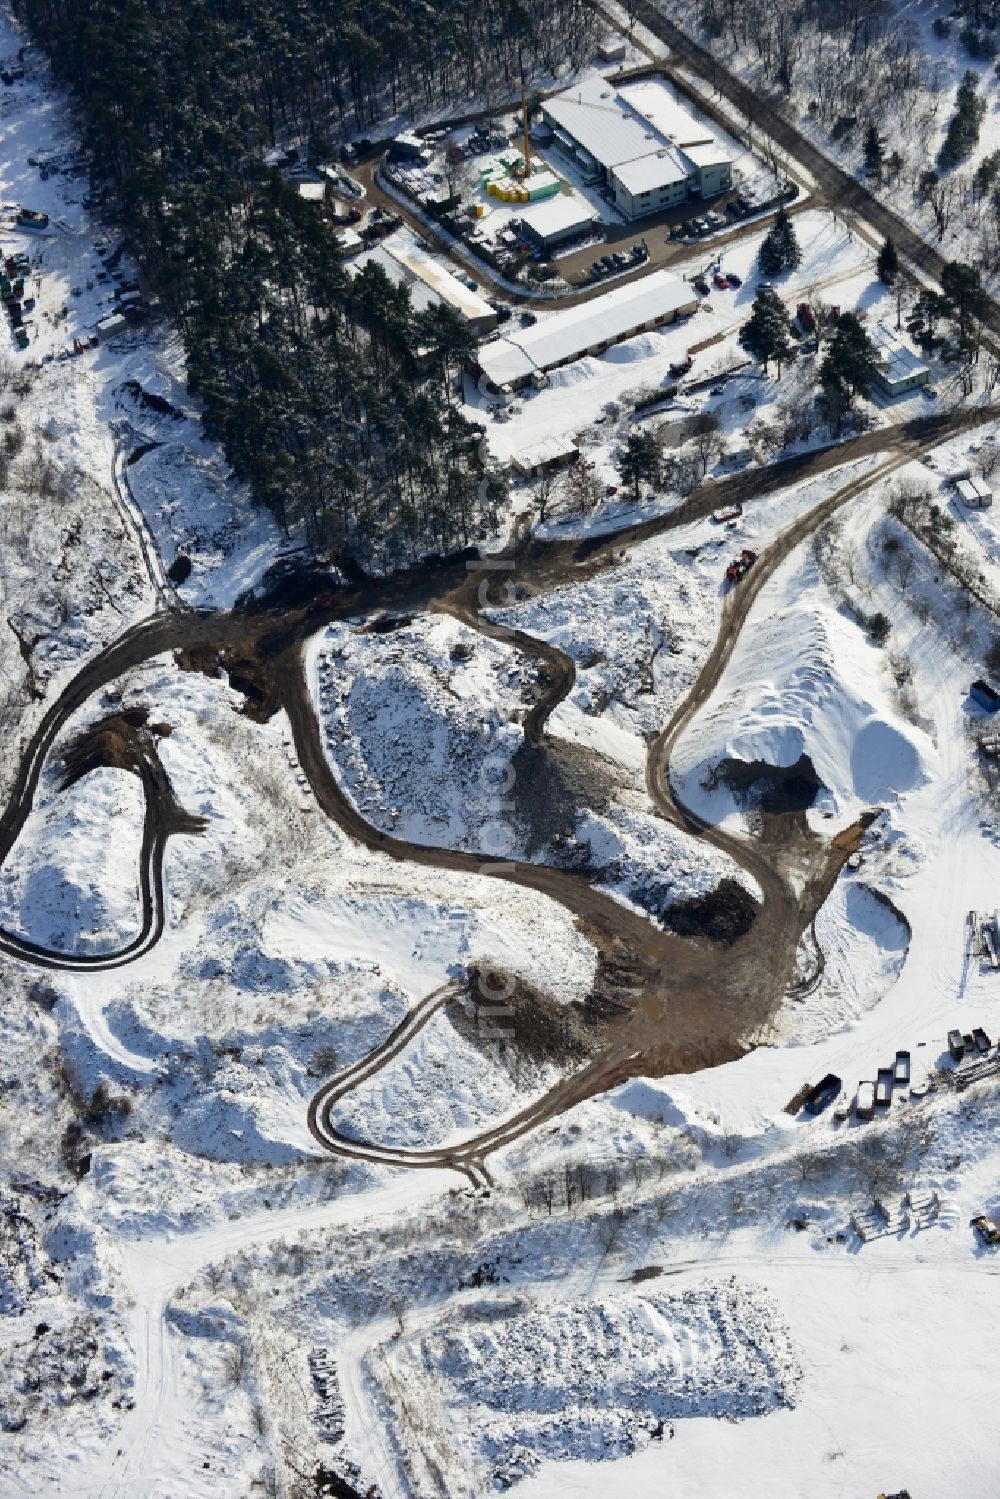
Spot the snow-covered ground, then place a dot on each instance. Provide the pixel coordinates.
(662, 1291)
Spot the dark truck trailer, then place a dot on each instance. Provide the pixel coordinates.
(825, 1091)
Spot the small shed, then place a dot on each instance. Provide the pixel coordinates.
(974, 494)
(109, 326)
(984, 696)
(544, 457)
(408, 147)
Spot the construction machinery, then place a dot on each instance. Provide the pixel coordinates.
(739, 568)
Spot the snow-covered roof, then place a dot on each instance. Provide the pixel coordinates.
(421, 295)
(538, 455)
(430, 283)
(642, 132)
(404, 248)
(559, 215)
(974, 491)
(668, 115)
(566, 335)
(593, 115)
(707, 154)
(647, 173)
(897, 360)
(504, 362)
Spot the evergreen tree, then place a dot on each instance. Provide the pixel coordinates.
(640, 461)
(888, 262)
(780, 249)
(874, 151)
(850, 365)
(963, 127)
(766, 335)
(965, 299)
(925, 314)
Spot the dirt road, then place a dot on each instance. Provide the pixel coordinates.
(694, 1004)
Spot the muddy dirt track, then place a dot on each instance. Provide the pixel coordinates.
(681, 1003)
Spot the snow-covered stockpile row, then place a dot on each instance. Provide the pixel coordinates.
(646, 861)
(72, 881)
(418, 727)
(588, 1379)
(637, 635)
(803, 680)
(440, 1088)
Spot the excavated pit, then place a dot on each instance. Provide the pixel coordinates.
(775, 790)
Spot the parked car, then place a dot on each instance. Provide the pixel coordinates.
(701, 286)
(928, 392)
(676, 231)
(528, 320)
(681, 366)
(734, 280)
(720, 281)
(598, 268)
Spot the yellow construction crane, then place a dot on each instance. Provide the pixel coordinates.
(525, 168)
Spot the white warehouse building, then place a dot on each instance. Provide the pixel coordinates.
(589, 328)
(640, 143)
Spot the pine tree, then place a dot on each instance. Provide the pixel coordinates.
(640, 461)
(963, 127)
(874, 151)
(888, 262)
(850, 365)
(780, 248)
(766, 335)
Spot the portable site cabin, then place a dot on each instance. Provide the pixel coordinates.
(956, 1044)
(109, 326)
(984, 696)
(974, 494)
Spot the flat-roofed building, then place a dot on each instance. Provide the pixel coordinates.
(640, 143)
(557, 221)
(429, 282)
(591, 327)
(974, 494)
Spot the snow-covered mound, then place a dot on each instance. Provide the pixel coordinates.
(803, 682)
(585, 1379)
(72, 881)
(418, 727)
